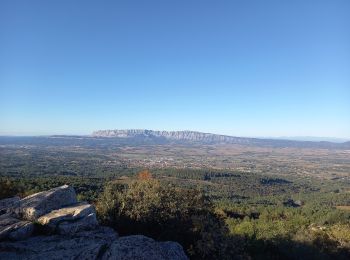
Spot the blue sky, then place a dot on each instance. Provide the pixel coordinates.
(245, 68)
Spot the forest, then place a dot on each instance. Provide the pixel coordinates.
(215, 214)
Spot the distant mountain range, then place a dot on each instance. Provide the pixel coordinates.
(207, 138)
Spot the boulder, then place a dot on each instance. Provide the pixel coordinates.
(13, 228)
(21, 230)
(7, 219)
(173, 250)
(6, 204)
(70, 227)
(83, 245)
(38, 204)
(71, 219)
(142, 247)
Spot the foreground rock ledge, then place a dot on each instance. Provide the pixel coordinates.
(69, 230)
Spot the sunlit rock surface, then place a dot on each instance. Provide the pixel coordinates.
(71, 219)
(38, 204)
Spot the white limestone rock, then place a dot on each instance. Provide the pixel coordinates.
(66, 214)
(38, 204)
(71, 219)
(83, 245)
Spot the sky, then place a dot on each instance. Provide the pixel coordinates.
(243, 68)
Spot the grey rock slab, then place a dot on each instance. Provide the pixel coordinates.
(6, 204)
(70, 213)
(70, 227)
(83, 245)
(7, 219)
(173, 250)
(38, 204)
(22, 230)
(16, 229)
(142, 247)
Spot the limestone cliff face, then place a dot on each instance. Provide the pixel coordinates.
(69, 230)
(172, 135)
(187, 137)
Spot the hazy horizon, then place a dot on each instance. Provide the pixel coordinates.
(294, 138)
(245, 69)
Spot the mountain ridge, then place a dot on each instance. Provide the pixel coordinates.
(208, 138)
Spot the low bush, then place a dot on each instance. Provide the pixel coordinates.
(167, 212)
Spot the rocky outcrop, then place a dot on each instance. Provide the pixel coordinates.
(6, 204)
(53, 225)
(141, 247)
(38, 204)
(82, 245)
(71, 219)
(13, 228)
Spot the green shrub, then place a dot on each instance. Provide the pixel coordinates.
(9, 189)
(166, 212)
